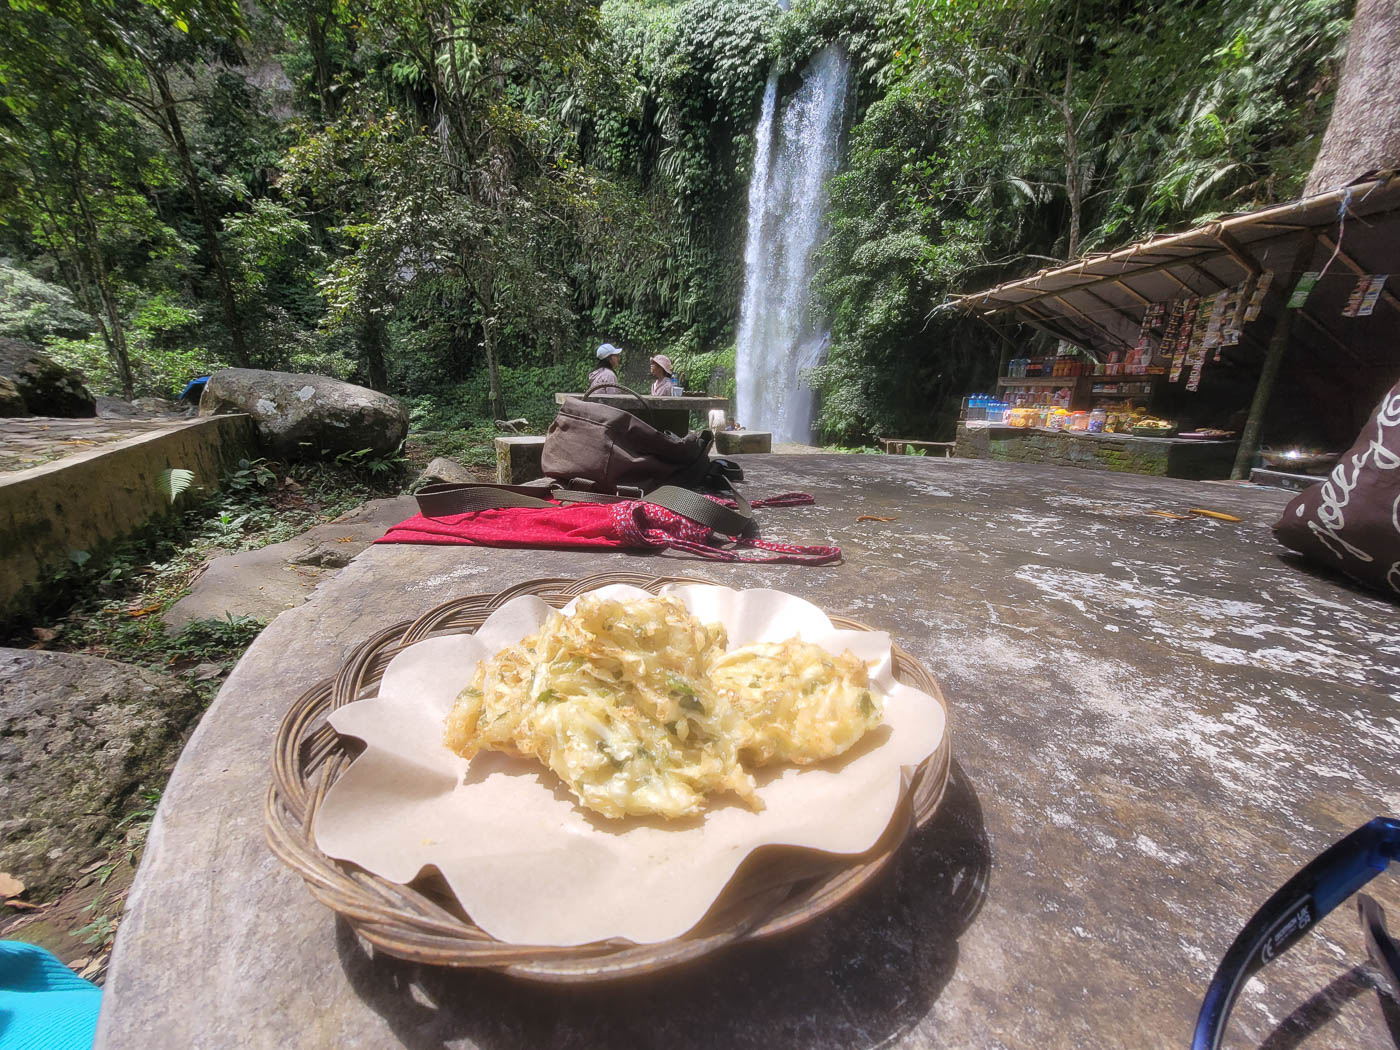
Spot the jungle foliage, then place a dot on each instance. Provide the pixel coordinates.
(454, 200)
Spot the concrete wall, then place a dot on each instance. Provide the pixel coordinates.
(85, 501)
(1159, 457)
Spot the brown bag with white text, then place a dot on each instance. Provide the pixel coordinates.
(1351, 521)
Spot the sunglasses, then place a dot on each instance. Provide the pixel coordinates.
(1327, 880)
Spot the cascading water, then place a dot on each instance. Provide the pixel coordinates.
(780, 336)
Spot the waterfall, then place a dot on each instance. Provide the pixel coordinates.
(780, 336)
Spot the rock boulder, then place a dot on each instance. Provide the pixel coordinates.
(78, 737)
(307, 416)
(47, 387)
(442, 470)
(11, 401)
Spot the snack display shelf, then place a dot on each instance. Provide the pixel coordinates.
(1086, 390)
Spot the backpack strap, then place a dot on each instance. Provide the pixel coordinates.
(729, 521)
(647, 414)
(439, 501)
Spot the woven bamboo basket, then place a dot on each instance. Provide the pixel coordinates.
(776, 889)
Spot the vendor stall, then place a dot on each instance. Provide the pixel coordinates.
(1183, 337)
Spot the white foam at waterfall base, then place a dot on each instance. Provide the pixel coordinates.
(780, 335)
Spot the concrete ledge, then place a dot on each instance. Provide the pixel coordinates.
(1281, 479)
(518, 459)
(85, 501)
(736, 442)
(1158, 457)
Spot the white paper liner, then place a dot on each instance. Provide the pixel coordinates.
(527, 863)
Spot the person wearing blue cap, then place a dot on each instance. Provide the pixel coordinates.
(604, 377)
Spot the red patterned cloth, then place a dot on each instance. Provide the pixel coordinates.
(630, 524)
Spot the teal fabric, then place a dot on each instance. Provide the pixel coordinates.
(43, 1004)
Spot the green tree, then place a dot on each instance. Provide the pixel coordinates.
(1006, 135)
(72, 164)
(125, 52)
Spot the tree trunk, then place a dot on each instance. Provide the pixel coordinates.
(72, 269)
(493, 370)
(1363, 133)
(1076, 201)
(372, 344)
(1073, 190)
(113, 332)
(170, 125)
(320, 57)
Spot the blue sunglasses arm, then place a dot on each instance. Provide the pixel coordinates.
(1325, 882)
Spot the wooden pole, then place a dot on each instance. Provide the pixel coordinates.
(1273, 359)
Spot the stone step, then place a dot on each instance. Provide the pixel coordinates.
(734, 442)
(518, 459)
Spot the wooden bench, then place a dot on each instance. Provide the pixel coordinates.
(906, 447)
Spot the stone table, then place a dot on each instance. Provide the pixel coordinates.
(1155, 722)
(671, 414)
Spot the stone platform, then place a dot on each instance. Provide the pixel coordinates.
(35, 440)
(1154, 723)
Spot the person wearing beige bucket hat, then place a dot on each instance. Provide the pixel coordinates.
(663, 382)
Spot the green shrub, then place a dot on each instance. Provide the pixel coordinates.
(528, 391)
(709, 370)
(162, 362)
(34, 309)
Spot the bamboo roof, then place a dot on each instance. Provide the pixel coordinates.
(1097, 302)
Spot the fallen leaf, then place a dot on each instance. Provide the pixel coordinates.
(44, 634)
(144, 610)
(874, 517)
(9, 885)
(1218, 515)
(345, 539)
(1170, 514)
